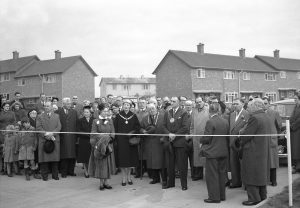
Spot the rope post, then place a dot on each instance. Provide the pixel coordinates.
(289, 154)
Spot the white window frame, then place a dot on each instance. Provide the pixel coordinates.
(268, 77)
(298, 75)
(146, 86)
(272, 96)
(21, 82)
(282, 74)
(230, 96)
(50, 78)
(229, 74)
(201, 73)
(6, 95)
(246, 76)
(126, 87)
(3, 76)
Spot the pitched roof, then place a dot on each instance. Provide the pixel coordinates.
(128, 80)
(281, 63)
(217, 61)
(13, 65)
(52, 66)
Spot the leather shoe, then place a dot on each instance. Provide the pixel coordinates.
(101, 188)
(72, 174)
(45, 179)
(249, 203)
(211, 201)
(63, 176)
(184, 188)
(55, 178)
(123, 183)
(107, 186)
(130, 182)
(196, 179)
(274, 184)
(154, 181)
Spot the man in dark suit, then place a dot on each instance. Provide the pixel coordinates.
(68, 120)
(215, 149)
(77, 106)
(238, 119)
(255, 168)
(176, 122)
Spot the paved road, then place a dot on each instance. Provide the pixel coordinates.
(80, 192)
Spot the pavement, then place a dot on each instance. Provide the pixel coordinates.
(80, 192)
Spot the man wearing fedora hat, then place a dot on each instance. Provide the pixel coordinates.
(49, 123)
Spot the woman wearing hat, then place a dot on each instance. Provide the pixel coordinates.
(84, 146)
(99, 164)
(126, 122)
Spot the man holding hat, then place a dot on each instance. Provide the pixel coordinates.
(49, 143)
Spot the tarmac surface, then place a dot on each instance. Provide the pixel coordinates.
(80, 192)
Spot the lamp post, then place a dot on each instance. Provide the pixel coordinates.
(42, 79)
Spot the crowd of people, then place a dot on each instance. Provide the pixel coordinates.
(157, 136)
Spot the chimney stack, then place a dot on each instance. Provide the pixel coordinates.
(200, 48)
(276, 54)
(15, 54)
(242, 52)
(57, 54)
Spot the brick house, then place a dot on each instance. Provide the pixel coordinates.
(195, 74)
(59, 77)
(127, 86)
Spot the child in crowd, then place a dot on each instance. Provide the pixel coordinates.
(26, 146)
(10, 151)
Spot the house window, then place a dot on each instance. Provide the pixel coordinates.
(21, 82)
(283, 74)
(291, 93)
(126, 87)
(4, 77)
(5, 95)
(49, 78)
(31, 101)
(229, 75)
(298, 75)
(270, 76)
(230, 96)
(246, 75)
(114, 86)
(146, 86)
(200, 73)
(272, 96)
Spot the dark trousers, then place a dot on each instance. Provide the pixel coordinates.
(67, 166)
(215, 170)
(44, 167)
(158, 173)
(273, 175)
(256, 193)
(180, 154)
(190, 155)
(141, 168)
(235, 167)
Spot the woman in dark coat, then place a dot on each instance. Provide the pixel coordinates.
(84, 146)
(126, 122)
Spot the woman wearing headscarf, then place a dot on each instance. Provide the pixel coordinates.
(100, 160)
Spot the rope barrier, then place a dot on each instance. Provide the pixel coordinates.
(131, 134)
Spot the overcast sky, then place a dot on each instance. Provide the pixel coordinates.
(130, 37)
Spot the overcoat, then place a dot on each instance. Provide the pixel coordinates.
(295, 132)
(236, 126)
(6, 118)
(275, 124)
(19, 114)
(48, 124)
(198, 122)
(153, 145)
(84, 146)
(255, 169)
(10, 147)
(141, 114)
(68, 141)
(27, 144)
(126, 123)
(101, 168)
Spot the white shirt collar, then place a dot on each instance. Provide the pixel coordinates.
(236, 118)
